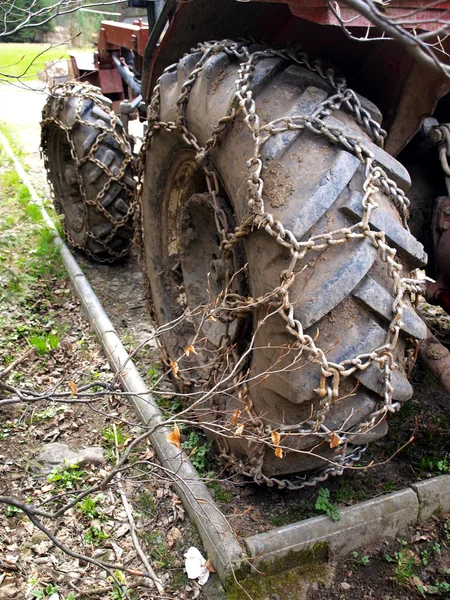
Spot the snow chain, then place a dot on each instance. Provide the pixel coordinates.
(243, 105)
(82, 92)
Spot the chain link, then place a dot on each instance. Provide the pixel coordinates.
(260, 435)
(83, 92)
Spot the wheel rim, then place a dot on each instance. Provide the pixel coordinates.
(192, 244)
(70, 201)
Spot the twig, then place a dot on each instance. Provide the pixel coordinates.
(16, 362)
(126, 505)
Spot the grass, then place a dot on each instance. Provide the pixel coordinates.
(404, 562)
(27, 60)
(157, 549)
(30, 271)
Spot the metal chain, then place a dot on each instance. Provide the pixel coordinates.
(83, 92)
(376, 180)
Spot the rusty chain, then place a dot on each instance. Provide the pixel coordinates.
(115, 175)
(243, 105)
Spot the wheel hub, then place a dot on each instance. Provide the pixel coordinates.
(202, 263)
(71, 203)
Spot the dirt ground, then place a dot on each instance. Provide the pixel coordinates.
(415, 565)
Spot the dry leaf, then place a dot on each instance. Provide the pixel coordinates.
(174, 437)
(211, 318)
(73, 388)
(173, 536)
(276, 437)
(210, 566)
(148, 455)
(239, 430)
(235, 417)
(335, 440)
(174, 367)
(278, 452)
(189, 349)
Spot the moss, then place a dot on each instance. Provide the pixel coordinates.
(287, 576)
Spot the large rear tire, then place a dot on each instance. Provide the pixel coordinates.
(89, 165)
(342, 295)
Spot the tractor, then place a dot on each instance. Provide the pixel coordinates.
(288, 201)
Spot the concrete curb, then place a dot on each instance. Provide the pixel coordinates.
(218, 539)
(433, 495)
(360, 525)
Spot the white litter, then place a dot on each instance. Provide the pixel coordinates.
(195, 565)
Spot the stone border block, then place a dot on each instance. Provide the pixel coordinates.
(433, 495)
(360, 525)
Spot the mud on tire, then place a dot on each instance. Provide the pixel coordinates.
(89, 165)
(342, 295)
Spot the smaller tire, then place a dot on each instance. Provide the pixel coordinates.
(90, 170)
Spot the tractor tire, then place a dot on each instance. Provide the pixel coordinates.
(342, 294)
(89, 165)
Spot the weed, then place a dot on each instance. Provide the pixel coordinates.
(323, 504)
(147, 503)
(361, 559)
(89, 509)
(220, 493)
(158, 549)
(67, 477)
(12, 511)
(170, 404)
(404, 562)
(42, 593)
(199, 451)
(425, 557)
(94, 535)
(436, 547)
(44, 343)
(110, 436)
(433, 464)
(304, 509)
(120, 590)
(179, 580)
(346, 494)
(49, 412)
(153, 373)
(389, 486)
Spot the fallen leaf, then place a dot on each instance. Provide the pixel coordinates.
(335, 440)
(239, 430)
(276, 438)
(174, 437)
(210, 566)
(190, 349)
(235, 417)
(148, 455)
(278, 452)
(174, 368)
(73, 388)
(211, 318)
(173, 536)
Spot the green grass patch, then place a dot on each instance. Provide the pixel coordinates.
(27, 60)
(31, 271)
